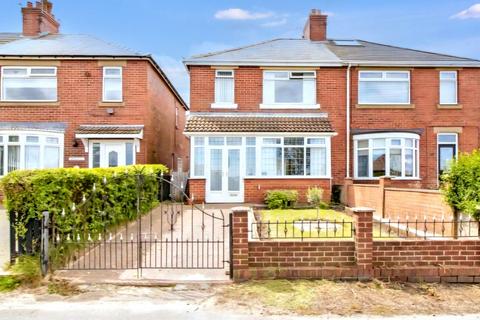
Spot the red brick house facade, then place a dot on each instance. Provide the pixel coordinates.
(74, 100)
(390, 112)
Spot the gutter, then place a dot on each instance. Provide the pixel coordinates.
(347, 138)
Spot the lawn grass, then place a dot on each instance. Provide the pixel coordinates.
(287, 224)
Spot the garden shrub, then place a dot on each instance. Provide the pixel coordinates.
(89, 200)
(461, 184)
(281, 199)
(315, 197)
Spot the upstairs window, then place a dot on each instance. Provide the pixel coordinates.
(224, 87)
(384, 87)
(448, 87)
(289, 88)
(29, 84)
(112, 84)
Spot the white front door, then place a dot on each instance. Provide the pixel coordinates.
(112, 153)
(224, 181)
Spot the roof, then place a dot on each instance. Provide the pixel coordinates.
(257, 122)
(56, 46)
(304, 52)
(65, 45)
(6, 37)
(110, 129)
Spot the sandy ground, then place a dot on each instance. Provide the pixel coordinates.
(254, 300)
(4, 239)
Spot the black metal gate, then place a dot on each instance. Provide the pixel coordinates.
(174, 235)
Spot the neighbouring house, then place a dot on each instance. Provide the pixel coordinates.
(314, 111)
(71, 100)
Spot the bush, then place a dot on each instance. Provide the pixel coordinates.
(92, 199)
(315, 197)
(461, 184)
(281, 199)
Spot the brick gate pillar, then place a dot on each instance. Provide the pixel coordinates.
(363, 241)
(239, 242)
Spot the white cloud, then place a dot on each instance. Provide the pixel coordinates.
(275, 23)
(241, 14)
(176, 73)
(471, 13)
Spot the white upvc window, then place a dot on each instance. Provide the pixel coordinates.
(112, 84)
(224, 89)
(384, 87)
(289, 90)
(386, 154)
(448, 87)
(30, 150)
(269, 156)
(33, 84)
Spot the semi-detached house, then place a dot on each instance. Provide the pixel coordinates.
(314, 111)
(69, 100)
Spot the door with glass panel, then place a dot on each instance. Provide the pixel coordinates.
(111, 154)
(224, 180)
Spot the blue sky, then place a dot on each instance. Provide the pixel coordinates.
(172, 30)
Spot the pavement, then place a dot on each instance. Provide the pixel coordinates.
(4, 239)
(179, 302)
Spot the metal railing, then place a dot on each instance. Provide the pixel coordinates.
(302, 229)
(426, 229)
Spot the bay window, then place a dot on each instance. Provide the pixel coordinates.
(386, 154)
(224, 89)
(384, 87)
(30, 150)
(35, 84)
(289, 89)
(448, 87)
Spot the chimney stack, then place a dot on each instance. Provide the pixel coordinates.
(316, 26)
(39, 19)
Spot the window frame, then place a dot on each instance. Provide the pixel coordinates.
(105, 76)
(289, 105)
(259, 144)
(223, 105)
(384, 78)
(388, 137)
(27, 76)
(449, 80)
(439, 144)
(23, 143)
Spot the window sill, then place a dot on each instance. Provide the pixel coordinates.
(29, 104)
(111, 104)
(224, 106)
(289, 106)
(385, 106)
(393, 178)
(449, 106)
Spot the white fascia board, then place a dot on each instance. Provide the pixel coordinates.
(256, 134)
(109, 136)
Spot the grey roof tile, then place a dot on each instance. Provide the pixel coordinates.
(64, 45)
(305, 52)
(6, 37)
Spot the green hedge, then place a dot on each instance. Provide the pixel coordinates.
(281, 199)
(85, 199)
(461, 184)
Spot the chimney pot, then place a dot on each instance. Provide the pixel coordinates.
(29, 4)
(316, 26)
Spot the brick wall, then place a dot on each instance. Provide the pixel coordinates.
(426, 253)
(147, 102)
(255, 189)
(398, 203)
(196, 189)
(361, 258)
